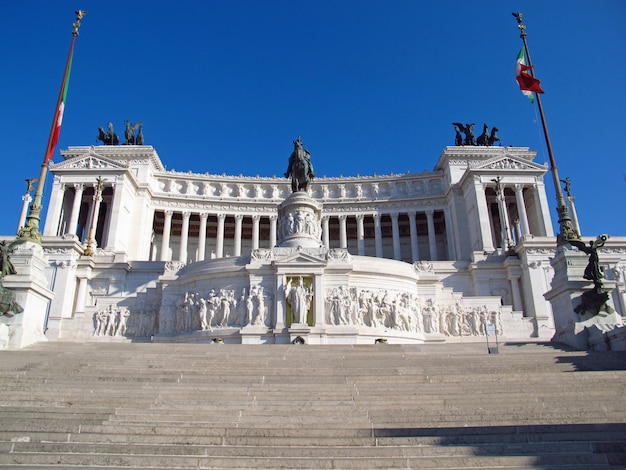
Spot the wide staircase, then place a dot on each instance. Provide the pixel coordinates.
(215, 406)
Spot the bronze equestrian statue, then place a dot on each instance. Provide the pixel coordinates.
(300, 168)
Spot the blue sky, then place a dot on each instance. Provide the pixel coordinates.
(372, 86)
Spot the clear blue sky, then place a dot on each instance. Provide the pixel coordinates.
(372, 86)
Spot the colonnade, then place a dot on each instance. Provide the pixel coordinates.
(408, 236)
(81, 210)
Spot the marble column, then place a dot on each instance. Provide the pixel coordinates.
(27, 199)
(273, 221)
(78, 199)
(360, 235)
(343, 238)
(97, 199)
(54, 224)
(219, 247)
(184, 238)
(237, 241)
(255, 231)
(521, 209)
(325, 232)
(395, 233)
(202, 236)
(432, 240)
(378, 234)
(165, 239)
(504, 220)
(482, 212)
(449, 235)
(572, 207)
(414, 241)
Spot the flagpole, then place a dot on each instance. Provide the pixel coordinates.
(30, 231)
(566, 227)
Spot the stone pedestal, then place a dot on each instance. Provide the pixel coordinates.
(584, 330)
(299, 332)
(256, 334)
(32, 294)
(299, 222)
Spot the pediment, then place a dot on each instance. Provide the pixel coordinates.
(509, 162)
(90, 162)
(300, 258)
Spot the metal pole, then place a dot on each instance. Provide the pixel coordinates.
(567, 229)
(30, 231)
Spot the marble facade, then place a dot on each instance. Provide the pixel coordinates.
(413, 258)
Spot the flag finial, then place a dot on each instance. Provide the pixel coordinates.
(79, 16)
(518, 16)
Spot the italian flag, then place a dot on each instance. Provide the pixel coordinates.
(527, 83)
(58, 114)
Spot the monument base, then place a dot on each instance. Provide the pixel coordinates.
(31, 291)
(578, 322)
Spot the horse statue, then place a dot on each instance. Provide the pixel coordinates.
(483, 139)
(300, 168)
(493, 138)
(468, 130)
(129, 132)
(109, 137)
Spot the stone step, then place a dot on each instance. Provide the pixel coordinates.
(577, 460)
(302, 451)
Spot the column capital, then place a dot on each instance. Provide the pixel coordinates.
(238, 217)
(79, 187)
(359, 217)
(203, 215)
(256, 217)
(221, 216)
(168, 212)
(186, 214)
(342, 217)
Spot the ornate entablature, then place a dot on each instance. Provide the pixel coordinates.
(90, 162)
(130, 155)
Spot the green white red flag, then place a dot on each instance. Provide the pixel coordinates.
(58, 114)
(527, 83)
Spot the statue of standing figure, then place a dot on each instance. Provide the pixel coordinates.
(300, 168)
(299, 297)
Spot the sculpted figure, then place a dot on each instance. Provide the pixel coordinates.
(299, 297)
(458, 138)
(483, 139)
(129, 133)
(202, 312)
(593, 272)
(468, 130)
(300, 168)
(6, 267)
(109, 137)
(493, 137)
(568, 186)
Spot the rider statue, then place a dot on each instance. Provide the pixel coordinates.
(300, 168)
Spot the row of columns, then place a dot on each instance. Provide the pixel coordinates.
(508, 226)
(378, 236)
(72, 224)
(219, 244)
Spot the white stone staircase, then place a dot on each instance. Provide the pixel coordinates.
(209, 406)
